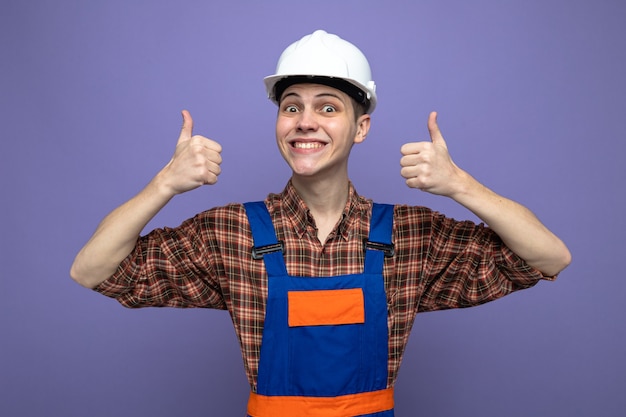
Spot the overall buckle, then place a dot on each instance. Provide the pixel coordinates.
(387, 248)
(259, 251)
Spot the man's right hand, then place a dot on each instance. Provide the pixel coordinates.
(196, 161)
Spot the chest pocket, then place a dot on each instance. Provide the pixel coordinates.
(326, 307)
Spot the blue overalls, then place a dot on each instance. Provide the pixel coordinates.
(325, 340)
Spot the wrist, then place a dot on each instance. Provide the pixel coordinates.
(161, 188)
(463, 187)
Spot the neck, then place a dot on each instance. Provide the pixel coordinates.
(323, 197)
(326, 201)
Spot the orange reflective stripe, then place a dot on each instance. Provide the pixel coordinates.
(342, 406)
(326, 307)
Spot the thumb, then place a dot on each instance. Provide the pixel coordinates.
(187, 130)
(433, 128)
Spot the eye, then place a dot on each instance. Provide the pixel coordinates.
(291, 108)
(327, 108)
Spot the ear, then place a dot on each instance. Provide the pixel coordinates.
(362, 128)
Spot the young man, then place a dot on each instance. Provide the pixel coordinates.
(322, 285)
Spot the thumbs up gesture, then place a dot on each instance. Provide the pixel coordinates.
(196, 161)
(428, 166)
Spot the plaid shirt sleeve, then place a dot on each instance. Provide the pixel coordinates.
(171, 267)
(460, 264)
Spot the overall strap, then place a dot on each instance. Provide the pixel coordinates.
(379, 244)
(266, 245)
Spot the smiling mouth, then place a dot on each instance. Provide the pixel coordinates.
(307, 145)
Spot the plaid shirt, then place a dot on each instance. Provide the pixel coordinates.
(439, 263)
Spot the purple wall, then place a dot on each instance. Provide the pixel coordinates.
(531, 101)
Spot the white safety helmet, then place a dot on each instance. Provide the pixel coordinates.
(323, 58)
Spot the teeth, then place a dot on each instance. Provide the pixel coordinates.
(307, 145)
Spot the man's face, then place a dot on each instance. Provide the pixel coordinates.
(316, 128)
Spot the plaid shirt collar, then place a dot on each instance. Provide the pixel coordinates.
(302, 221)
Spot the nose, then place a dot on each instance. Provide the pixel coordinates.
(307, 122)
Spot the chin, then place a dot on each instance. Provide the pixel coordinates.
(303, 170)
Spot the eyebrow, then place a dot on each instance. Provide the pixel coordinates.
(324, 94)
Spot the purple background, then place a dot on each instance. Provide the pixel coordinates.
(531, 101)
